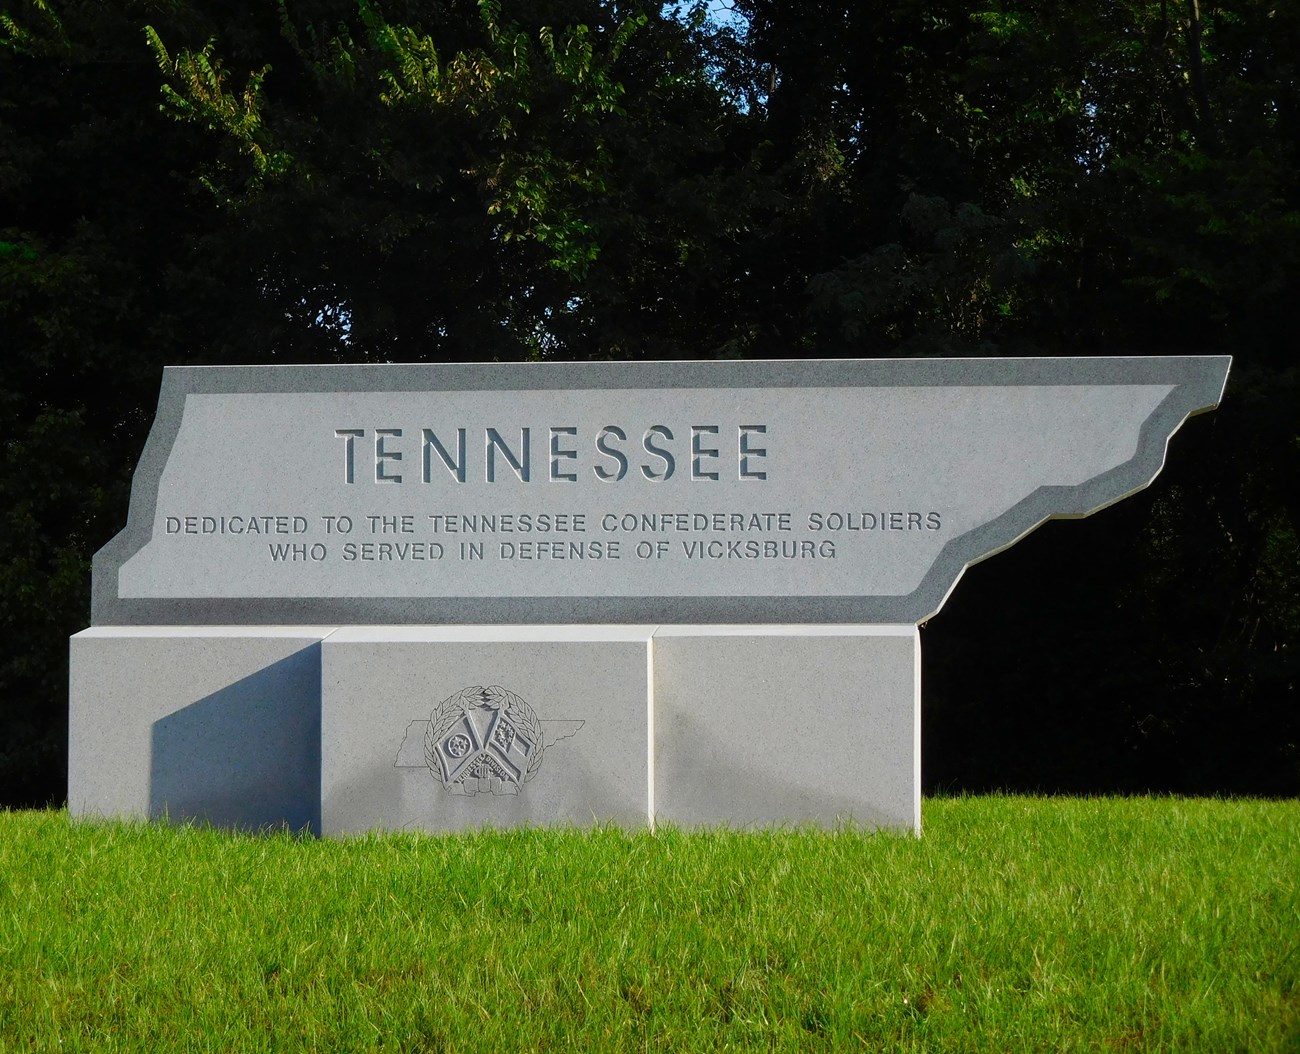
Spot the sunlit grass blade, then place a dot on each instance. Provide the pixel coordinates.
(1013, 924)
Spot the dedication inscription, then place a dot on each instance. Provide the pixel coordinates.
(833, 491)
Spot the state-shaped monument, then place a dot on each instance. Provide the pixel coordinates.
(447, 596)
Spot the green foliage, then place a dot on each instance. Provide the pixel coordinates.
(208, 181)
(1068, 179)
(1120, 177)
(534, 185)
(207, 102)
(43, 35)
(1014, 923)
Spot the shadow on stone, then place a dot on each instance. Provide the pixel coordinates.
(701, 782)
(247, 756)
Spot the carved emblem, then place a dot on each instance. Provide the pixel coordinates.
(482, 741)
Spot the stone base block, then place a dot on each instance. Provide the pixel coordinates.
(759, 725)
(443, 728)
(219, 724)
(446, 728)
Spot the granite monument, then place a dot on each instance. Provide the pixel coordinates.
(442, 596)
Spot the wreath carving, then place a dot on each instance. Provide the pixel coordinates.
(484, 740)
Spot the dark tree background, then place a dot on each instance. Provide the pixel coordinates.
(209, 181)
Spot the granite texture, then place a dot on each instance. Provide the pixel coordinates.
(893, 476)
(444, 729)
(351, 729)
(216, 724)
(756, 726)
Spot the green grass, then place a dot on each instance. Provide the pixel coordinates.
(1015, 924)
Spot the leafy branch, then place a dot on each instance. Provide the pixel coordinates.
(198, 93)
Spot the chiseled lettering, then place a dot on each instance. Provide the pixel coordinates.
(670, 463)
(560, 550)
(755, 549)
(874, 521)
(602, 444)
(382, 454)
(283, 553)
(747, 451)
(699, 451)
(610, 462)
(349, 437)
(397, 552)
(557, 454)
(457, 466)
(519, 464)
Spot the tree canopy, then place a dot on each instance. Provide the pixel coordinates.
(206, 181)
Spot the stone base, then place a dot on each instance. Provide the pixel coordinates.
(217, 724)
(443, 728)
(761, 725)
(448, 727)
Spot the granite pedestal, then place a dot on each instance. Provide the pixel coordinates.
(761, 725)
(446, 728)
(211, 723)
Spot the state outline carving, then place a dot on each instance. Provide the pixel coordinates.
(482, 740)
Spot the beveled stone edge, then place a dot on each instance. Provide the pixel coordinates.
(1199, 382)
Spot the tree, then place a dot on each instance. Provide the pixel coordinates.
(215, 182)
(102, 265)
(464, 181)
(1046, 179)
(327, 180)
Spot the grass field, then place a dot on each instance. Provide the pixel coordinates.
(1015, 924)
